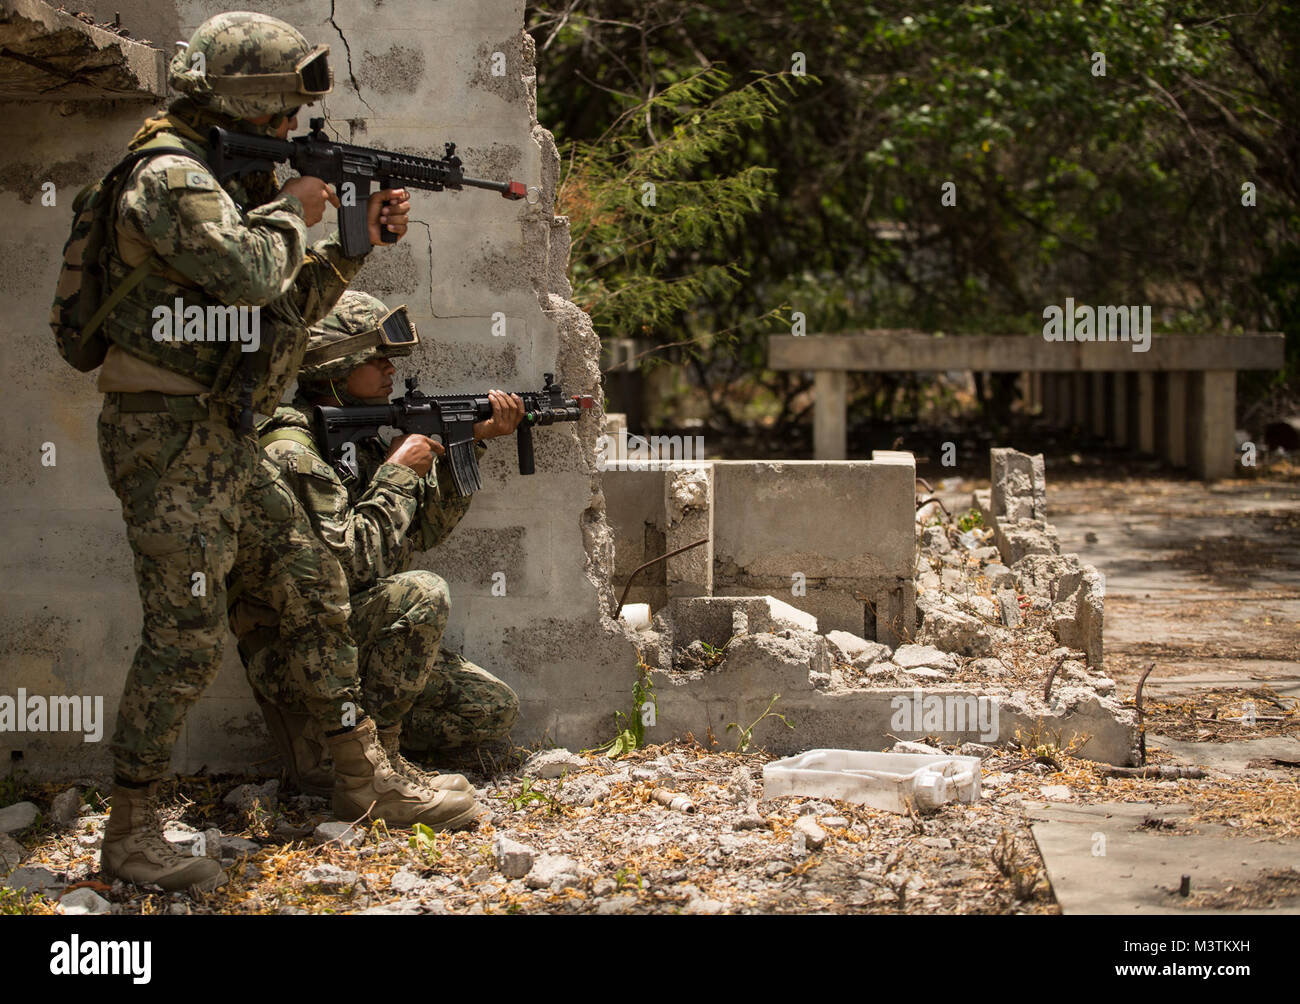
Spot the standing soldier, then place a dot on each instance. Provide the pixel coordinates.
(189, 481)
(396, 500)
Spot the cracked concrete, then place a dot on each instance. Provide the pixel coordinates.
(1101, 859)
(51, 55)
(347, 51)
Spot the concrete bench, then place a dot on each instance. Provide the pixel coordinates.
(1176, 400)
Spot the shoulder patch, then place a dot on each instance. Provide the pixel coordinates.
(305, 463)
(187, 177)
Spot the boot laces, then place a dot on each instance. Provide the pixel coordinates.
(405, 766)
(151, 838)
(385, 761)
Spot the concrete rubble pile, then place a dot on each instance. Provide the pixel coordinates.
(1000, 609)
(1015, 508)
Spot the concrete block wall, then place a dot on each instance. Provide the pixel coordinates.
(408, 75)
(69, 611)
(833, 538)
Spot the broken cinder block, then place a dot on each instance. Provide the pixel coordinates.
(1019, 485)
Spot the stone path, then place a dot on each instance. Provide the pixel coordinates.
(1204, 581)
(1101, 858)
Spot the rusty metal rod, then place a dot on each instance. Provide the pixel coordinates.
(652, 561)
(1163, 773)
(1047, 688)
(672, 800)
(936, 501)
(1142, 723)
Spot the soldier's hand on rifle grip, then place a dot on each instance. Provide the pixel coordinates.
(390, 208)
(313, 194)
(414, 451)
(507, 413)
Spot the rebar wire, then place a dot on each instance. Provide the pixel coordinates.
(937, 501)
(622, 599)
(1142, 723)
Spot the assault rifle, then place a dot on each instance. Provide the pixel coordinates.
(450, 417)
(342, 164)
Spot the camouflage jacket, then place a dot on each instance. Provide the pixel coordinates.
(373, 525)
(237, 244)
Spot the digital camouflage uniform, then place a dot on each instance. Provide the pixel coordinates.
(375, 524)
(193, 491)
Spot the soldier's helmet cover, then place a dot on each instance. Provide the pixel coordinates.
(359, 328)
(245, 65)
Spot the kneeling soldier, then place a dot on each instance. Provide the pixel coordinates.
(395, 500)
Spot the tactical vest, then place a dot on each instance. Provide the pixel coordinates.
(216, 364)
(130, 324)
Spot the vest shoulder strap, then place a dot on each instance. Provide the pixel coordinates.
(154, 147)
(299, 436)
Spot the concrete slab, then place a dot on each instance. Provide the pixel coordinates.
(1138, 870)
(903, 352)
(1226, 673)
(1199, 580)
(1230, 757)
(54, 56)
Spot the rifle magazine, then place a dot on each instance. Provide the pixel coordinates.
(464, 468)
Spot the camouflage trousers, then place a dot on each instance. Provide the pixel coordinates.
(193, 493)
(441, 698)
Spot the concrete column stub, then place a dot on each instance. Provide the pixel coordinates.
(1062, 398)
(1080, 396)
(1143, 418)
(830, 415)
(1098, 400)
(1172, 411)
(688, 505)
(1212, 422)
(1118, 421)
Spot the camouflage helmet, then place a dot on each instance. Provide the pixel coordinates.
(246, 65)
(359, 328)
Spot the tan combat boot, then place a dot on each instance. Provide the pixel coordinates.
(363, 776)
(390, 739)
(135, 849)
(302, 747)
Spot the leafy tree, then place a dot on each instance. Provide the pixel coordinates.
(1117, 188)
(638, 208)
